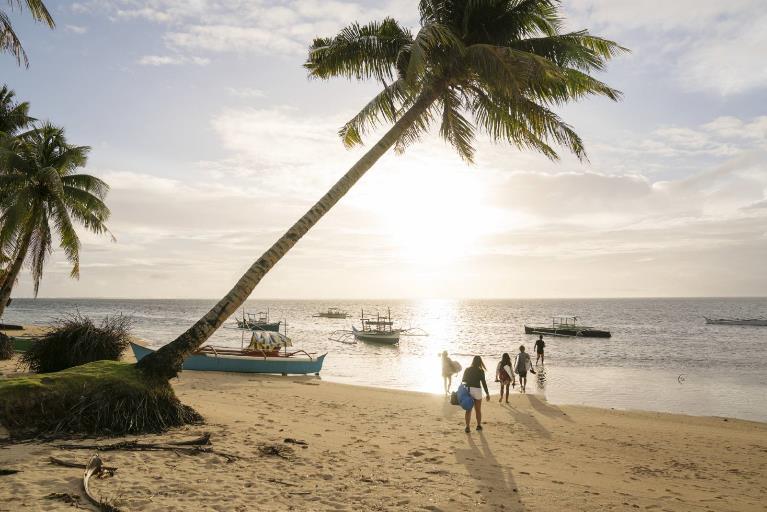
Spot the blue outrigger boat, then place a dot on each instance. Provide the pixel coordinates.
(250, 360)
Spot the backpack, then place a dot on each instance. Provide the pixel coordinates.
(454, 399)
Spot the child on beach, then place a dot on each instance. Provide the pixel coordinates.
(473, 377)
(522, 364)
(505, 375)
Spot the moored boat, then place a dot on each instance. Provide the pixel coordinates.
(332, 313)
(258, 321)
(758, 322)
(375, 329)
(249, 360)
(567, 326)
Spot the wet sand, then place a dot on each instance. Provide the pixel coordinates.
(377, 449)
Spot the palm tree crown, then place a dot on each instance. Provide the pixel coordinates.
(495, 66)
(13, 116)
(42, 194)
(9, 41)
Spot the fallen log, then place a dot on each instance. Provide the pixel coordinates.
(136, 446)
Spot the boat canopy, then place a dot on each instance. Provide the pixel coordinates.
(268, 340)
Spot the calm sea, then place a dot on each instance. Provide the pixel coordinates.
(662, 356)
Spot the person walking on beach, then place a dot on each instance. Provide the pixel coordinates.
(539, 345)
(505, 375)
(449, 367)
(521, 364)
(473, 377)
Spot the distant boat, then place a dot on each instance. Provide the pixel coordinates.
(332, 313)
(263, 355)
(761, 322)
(378, 329)
(567, 326)
(259, 321)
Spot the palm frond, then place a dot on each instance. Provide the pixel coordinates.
(359, 52)
(455, 128)
(86, 183)
(578, 50)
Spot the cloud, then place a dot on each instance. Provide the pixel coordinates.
(245, 92)
(171, 60)
(76, 29)
(712, 46)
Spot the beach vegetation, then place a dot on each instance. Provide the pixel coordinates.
(42, 196)
(100, 398)
(494, 67)
(6, 347)
(9, 41)
(75, 340)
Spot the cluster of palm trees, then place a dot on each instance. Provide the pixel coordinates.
(42, 195)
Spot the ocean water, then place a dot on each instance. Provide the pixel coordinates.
(662, 355)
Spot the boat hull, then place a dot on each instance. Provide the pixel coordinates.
(583, 333)
(383, 338)
(255, 326)
(244, 364)
(756, 322)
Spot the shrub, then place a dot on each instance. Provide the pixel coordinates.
(76, 340)
(6, 347)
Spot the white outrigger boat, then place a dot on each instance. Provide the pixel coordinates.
(760, 322)
(375, 329)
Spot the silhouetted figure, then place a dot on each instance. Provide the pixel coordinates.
(539, 346)
(473, 377)
(505, 375)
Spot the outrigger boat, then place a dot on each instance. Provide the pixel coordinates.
(267, 353)
(259, 321)
(375, 329)
(567, 326)
(761, 322)
(332, 313)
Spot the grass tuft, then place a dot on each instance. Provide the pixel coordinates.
(76, 340)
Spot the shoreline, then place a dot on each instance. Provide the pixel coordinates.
(391, 450)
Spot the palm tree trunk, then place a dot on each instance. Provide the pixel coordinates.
(12, 272)
(166, 362)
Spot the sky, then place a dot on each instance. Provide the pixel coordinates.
(214, 141)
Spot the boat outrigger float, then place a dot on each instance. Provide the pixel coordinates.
(267, 353)
(375, 329)
(567, 326)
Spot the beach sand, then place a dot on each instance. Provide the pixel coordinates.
(377, 449)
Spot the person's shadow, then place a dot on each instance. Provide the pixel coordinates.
(495, 482)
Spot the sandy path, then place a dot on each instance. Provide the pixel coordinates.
(374, 449)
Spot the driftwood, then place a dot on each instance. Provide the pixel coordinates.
(299, 442)
(4, 472)
(276, 450)
(190, 447)
(95, 467)
(281, 482)
(106, 470)
(72, 499)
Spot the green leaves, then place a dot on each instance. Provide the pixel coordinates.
(42, 196)
(9, 41)
(504, 63)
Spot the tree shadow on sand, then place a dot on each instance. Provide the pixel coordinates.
(495, 482)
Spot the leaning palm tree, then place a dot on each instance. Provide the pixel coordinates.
(9, 41)
(44, 195)
(491, 66)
